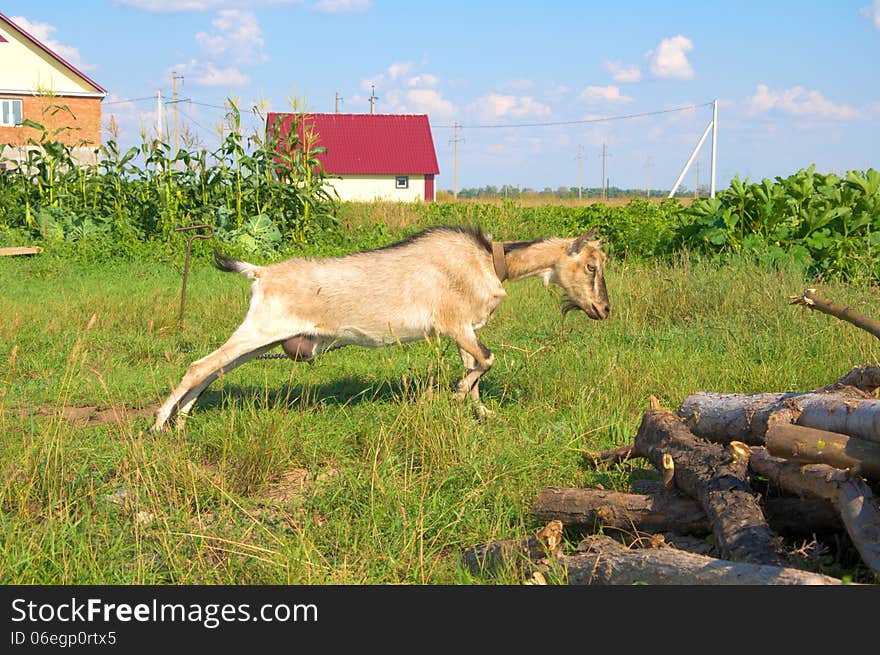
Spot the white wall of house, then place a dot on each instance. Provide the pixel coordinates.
(377, 187)
(27, 68)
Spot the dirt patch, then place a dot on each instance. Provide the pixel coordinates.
(88, 415)
(295, 484)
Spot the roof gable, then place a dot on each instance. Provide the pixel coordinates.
(32, 65)
(370, 144)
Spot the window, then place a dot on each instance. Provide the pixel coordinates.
(10, 112)
(401, 182)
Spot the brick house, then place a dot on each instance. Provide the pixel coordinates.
(372, 156)
(34, 80)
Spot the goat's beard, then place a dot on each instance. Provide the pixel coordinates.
(568, 305)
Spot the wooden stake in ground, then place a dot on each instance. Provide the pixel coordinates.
(715, 476)
(602, 561)
(848, 493)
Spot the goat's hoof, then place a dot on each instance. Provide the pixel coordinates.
(484, 412)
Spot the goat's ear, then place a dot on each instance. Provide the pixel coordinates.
(578, 244)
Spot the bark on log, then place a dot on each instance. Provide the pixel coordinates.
(811, 446)
(849, 494)
(715, 476)
(602, 561)
(591, 509)
(613, 456)
(865, 378)
(491, 557)
(746, 417)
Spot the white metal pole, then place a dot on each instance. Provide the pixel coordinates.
(714, 144)
(691, 160)
(159, 114)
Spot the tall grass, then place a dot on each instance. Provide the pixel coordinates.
(361, 468)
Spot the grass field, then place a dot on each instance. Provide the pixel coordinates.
(359, 469)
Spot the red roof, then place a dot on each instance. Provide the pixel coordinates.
(370, 144)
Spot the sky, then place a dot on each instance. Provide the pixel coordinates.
(537, 89)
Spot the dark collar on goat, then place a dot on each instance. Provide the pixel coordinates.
(498, 260)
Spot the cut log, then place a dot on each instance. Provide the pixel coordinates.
(844, 313)
(491, 557)
(865, 378)
(716, 477)
(746, 417)
(601, 560)
(849, 494)
(811, 446)
(20, 250)
(589, 510)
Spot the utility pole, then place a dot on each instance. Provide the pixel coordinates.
(174, 78)
(604, 179)
(714, 145)
(454, 142)
(373, 98)
(159, 135)
(648, 162)
(337, 102)
(697, 174)
(580, 170)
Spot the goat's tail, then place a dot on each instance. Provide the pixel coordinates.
(230, 265)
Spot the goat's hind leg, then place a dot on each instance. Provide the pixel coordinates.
(241, 347)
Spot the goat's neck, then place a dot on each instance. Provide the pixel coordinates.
(536, 259)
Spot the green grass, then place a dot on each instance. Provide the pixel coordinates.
(359, 469)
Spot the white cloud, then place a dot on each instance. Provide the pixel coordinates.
(236, 37)
(403, 89)
(604, 93)
(429, 101)
(421, 80)
(798, 101)
(494, 106)
(206, 73)
(669, 59)
(399, 69)
(42, 32)
(622, 73)
(872, 13)
(343, 6)
(209, 75)
(129, 119)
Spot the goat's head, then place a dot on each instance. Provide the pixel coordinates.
(581, 273)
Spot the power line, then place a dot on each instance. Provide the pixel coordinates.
(579, 122)
(119, 102)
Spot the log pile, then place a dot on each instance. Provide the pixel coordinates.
(739, 477)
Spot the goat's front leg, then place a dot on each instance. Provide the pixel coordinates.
(477, 360)
(470, 364)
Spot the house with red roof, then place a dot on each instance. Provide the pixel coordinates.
(34, 83)
(371, 156)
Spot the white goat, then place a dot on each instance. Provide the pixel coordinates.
(441, 281)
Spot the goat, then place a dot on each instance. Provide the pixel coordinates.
(442, 281)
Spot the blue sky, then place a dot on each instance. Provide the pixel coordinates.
(796, 82)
